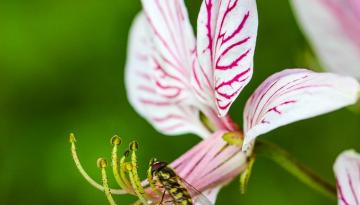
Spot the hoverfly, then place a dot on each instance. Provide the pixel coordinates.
(176, 187)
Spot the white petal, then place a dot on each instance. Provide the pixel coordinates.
(173, 47)
(293, 95)
(333, 29)
(225, 47)
(168, 117)
(347, 171)
(210, 195)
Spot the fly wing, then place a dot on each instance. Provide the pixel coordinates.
(197, 196)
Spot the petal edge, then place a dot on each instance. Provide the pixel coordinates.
(295, 94)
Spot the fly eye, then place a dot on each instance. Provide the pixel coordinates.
(163, 164)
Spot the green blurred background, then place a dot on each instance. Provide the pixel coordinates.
(61, 71)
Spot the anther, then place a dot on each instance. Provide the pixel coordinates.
(101, 163)
(233, 138)
(133, 146)
(115, 140)
(72, 138)
(128, 166)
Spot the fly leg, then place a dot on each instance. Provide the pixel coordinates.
(162, 197)
(162, 202)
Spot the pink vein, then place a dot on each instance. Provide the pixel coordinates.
(234, 79)
(352, 188)
(209, 6)
(168, 117)
(235, 62)
(173, 127)
(271, 97)
(162, 40)
(341, 194)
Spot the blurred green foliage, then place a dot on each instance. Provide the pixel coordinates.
(61, 71)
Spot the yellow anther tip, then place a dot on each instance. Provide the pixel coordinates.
(115, 140)
(233, 138)
(128, 166)
(133, 146)
(72, 138)
(101, 163)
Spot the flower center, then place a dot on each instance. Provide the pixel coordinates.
(213, 162)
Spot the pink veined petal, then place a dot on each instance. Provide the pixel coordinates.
(333, 29)
(173, 45)
(347, 171)
(168, 117)
(226, 40)
(295, 94)
(211, 163)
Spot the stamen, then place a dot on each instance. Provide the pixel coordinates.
(116, 140)
(207, 122)
(135, 181)
(75, 157)
(133, 148)
(123, 171)
(138, 202)
(150, 178)
(245, 175)
(133, 174)
(102, 164)
(233, 138)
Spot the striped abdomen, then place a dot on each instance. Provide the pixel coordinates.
(174, 187)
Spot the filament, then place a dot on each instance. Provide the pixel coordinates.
(75, 157)
(133, 148)
(139, 191)
(116, 140)
(138, 202)
(245, 175)
(123, 170)
(102, 164)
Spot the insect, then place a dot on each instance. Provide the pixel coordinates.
(177, 188)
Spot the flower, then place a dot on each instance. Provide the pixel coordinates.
(182, 84)
(333, 29)
(348, 177)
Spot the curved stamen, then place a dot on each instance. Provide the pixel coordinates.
(152, 183)
(138, 202)
(245, 175)
(116, 141)
(102, 164)
(123, 171)
(133, 174)
(75, 157)
(135, 181)
(133, 147)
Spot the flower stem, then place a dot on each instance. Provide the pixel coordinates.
(290, 164)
